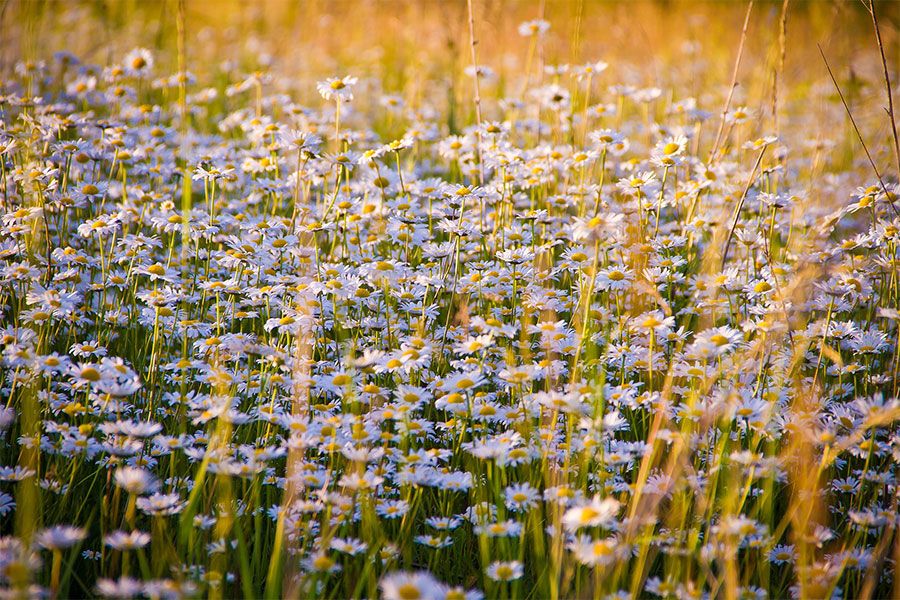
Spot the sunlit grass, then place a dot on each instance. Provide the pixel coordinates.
(448, 300)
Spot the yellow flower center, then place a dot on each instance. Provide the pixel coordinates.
(90, 374)
(719, 339)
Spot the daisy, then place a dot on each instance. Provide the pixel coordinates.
(135, 481)
(654, 321)
(535, 28)
(614, 279)
(594, 553)
(139, 62)
(463, 382)
(411, 585)
(120, 540)
(88, 349)
(348, 546)
(124, 587)
(783, 554)
(598, 513)
(717, 341)
(508, 528)
(59, 537)
(337, 88)
(84, 374)
(505, 571)
(7, 504)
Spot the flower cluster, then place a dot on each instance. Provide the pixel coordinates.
(569, 349)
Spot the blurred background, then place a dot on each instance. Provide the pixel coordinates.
(412, 40)
(421, 48)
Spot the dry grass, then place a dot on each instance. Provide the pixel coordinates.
(547, 333)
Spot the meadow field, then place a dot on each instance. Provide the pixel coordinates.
(449, 300)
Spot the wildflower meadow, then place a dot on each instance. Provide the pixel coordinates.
(449, 300)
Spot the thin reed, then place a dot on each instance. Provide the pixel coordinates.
(449, 300)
